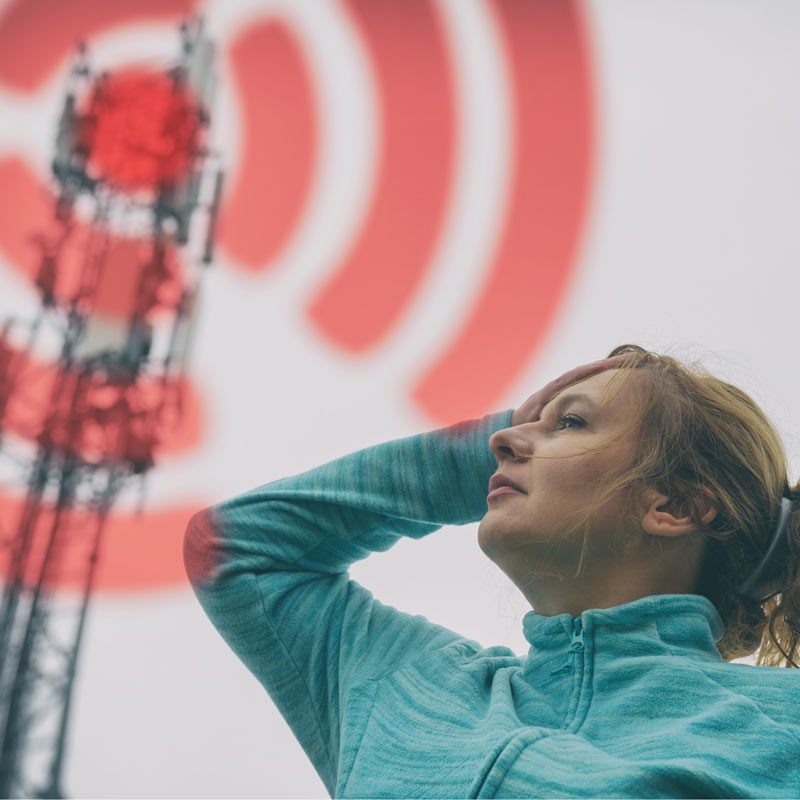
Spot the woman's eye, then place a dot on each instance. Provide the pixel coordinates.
(571, 418)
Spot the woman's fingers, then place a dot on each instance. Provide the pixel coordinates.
(529, 411)
(584, 371)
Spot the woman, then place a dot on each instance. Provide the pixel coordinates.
(629, 501)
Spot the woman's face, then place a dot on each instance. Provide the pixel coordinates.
(558, 462)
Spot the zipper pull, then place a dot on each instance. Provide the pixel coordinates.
(576, 645)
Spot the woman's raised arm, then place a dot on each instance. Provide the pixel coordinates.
(269, 568)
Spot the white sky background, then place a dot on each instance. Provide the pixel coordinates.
(692, 245)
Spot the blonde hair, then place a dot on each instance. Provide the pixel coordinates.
(700, 437)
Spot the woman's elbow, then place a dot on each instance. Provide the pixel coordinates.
(202, 547)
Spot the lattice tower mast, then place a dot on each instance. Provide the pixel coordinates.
(84, 449)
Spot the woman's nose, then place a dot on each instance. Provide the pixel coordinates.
(510, 443)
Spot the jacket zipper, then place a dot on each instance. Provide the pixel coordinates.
(576, 646)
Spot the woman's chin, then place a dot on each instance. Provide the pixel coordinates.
(496, 530)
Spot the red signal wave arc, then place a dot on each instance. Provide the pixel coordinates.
(360, 302)
(27, 221)
(36, 35)
(35, 382)
(548, 65)
(279, 144)
(136, 553)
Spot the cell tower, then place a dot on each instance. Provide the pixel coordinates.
(138, 192)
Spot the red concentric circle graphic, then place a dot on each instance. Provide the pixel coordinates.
(548, 70)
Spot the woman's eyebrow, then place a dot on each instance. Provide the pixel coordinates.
(563, 400)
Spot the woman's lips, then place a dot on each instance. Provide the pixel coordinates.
(501, 490)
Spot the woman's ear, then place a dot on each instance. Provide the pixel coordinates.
(669, 516)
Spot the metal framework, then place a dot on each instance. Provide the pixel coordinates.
(72, 455)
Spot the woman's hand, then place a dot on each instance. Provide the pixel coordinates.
(529, 411)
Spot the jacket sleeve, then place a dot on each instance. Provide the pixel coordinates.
(269, 567)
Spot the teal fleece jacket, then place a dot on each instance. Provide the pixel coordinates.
(628, 701)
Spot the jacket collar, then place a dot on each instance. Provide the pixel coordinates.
(686, 624)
